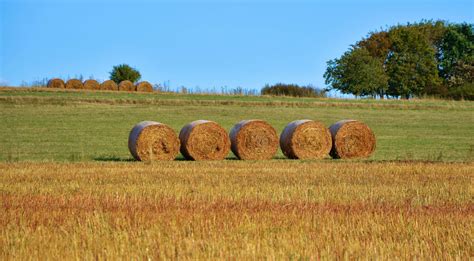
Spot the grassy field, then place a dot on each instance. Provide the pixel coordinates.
(82, 126)
(69, 189)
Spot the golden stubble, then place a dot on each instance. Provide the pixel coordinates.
(199, 210)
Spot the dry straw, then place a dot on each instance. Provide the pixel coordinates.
(74, 84)
(305, 139)
(351, 139)
(126, 86)
(109, 85)
(91, 85)
(56, 83)
(204, 140)
(151, 140)
(144, 87)
(253, 140)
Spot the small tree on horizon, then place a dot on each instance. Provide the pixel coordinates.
(124, 72)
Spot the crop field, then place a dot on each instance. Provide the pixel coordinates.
(69, 188)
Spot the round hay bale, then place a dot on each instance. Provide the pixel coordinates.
(204, 140)
(74, 84)
(253, 140)
(126, 86)
(109, 85)
(351, 139)
(144, 87)
(56, 83)
(151, 140)
(305, 139)
(91, 85)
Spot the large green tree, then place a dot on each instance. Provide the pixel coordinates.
(411, 64)
(358, 73)
(425, 58)
(456, 60)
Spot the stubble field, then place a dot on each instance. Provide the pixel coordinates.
(69, 189)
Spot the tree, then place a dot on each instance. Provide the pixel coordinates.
(124, 72)
(432, 30)
(411, 65)
(378, 44)
(357, 72)
(425, 58)
(456, 63)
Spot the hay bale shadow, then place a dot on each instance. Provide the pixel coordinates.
(113, 158)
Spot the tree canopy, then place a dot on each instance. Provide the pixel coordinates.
(124, 72)
(426, 58)
(357, 72)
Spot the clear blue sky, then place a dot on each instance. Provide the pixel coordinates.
(196, 43)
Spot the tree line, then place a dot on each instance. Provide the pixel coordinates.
(428, 58)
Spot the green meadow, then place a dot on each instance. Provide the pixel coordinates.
(44, 125)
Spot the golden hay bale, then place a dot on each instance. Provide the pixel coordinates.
(126, 86)
(305, 139)
(91, 85)
(151, 140)
(109, 85)
(74, 84)
(351, 139)
(56, 83)
(144, 87)
(253, 140)
(204, 140)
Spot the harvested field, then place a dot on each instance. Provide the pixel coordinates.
(236, 209)
(412, 198)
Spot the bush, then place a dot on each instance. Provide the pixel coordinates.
(124, 72)
(463, 92)
(281, 89)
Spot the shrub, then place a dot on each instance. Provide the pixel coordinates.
(463, 92)
(281, 89)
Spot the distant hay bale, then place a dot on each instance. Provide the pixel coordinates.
(56, 83)
(74, 84)
(351, 139)
(204, 140)
(109, 85)
(144, 87)
(126, 86)
(149, 140)
(253, 140)
(91, 85)
(305, 139)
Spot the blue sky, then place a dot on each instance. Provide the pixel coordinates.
(196, 43)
